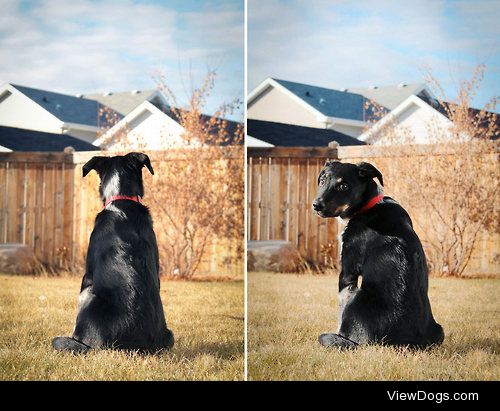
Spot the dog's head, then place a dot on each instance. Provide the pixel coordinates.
(342, 188)
(120, 175)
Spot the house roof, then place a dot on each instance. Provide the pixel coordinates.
(288, 135)
(122, 102)
(329, 102)
(389, 96)
(70, 109)
(17, 139)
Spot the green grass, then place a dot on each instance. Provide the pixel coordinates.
(286, 314)
(206, 318)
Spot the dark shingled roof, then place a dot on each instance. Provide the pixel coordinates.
(289, 135)
(70, 109)
(122, 102)
(17, 139)
(330, 102)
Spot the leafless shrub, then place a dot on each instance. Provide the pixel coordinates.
(201, 195)
(455, 180)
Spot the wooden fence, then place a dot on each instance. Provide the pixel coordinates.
(282, 183)
(281, 186)
(46, 204)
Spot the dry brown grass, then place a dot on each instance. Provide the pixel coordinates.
(206, 318)
(286, 313)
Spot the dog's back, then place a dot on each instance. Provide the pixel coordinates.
(120, 304)
(122, 264)
(394, 269)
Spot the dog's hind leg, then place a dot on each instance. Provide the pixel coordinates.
(336, 340)
(69, 344)
(169, 339)
(435, 334)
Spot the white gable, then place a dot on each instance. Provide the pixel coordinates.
(413, 121)
(19, 111)
(255, 142)
(146, 127)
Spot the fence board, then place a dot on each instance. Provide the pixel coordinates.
(3, 201)
(38, 215)
(12, 203)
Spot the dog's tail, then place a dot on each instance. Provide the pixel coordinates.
(70, 344)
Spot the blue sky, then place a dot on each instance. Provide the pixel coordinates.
(334, 43)
(89, 46)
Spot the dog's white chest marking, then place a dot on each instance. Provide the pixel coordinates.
(84, 297)
(344, 297)
(112, 187)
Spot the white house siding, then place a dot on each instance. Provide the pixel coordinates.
(421, 123)
(19, 111)
(352, 131)
(273, 105)
(255, 142)
(85, 135)
(150, 131)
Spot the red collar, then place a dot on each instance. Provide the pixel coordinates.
(371, 203)
(137, 199)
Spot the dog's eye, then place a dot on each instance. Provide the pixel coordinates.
(342, 187)
(322, 180)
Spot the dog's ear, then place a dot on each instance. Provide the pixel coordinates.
(368, 171)
(143, 160)
(95, 163)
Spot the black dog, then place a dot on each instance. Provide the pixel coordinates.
(391, 304)
(119, 304)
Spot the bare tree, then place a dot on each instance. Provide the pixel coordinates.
(455, 180)
(201, 195)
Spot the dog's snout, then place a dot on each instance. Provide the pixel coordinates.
(318, 205)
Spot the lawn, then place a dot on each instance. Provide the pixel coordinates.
(287, 312)
(206, 318)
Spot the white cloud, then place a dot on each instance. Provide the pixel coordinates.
(86, 46)
(346, 44)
